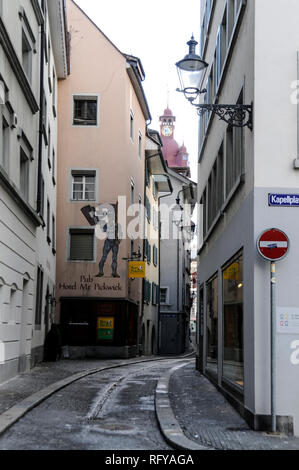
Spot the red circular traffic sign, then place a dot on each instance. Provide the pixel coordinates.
(273, 244)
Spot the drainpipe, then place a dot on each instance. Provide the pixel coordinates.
(40, 143)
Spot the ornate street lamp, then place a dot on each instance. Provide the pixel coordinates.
(190, 71)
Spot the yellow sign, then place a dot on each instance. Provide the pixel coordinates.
(136, 269)
(232, 272)
(105, 322)
(105, 328)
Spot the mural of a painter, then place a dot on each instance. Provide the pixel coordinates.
(105, 218)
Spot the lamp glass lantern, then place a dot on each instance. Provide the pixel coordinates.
(190, 71)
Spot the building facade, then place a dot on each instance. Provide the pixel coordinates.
(238, 169)
(103, 115)
(175, 246)
(27, 264)
(157, 184)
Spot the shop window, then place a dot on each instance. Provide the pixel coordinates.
(233, 345)
(212, 325)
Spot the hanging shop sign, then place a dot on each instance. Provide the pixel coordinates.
(136, 269)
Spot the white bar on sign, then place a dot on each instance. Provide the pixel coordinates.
(278, 244)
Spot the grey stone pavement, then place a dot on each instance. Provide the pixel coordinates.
(191, 413)
(206, 417)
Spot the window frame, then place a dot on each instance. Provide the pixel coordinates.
(83, 172)
(166, 297)
(239, 388)
(24, 178)
(85, 97)
(88, 230)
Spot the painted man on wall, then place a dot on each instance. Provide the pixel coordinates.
(105, 218)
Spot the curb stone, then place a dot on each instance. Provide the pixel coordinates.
(168, 423)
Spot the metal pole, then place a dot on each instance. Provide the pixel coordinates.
(273, 347)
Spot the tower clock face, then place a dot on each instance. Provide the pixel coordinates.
(166, 131)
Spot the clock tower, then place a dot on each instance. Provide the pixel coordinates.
(167, 123)
(175, 156)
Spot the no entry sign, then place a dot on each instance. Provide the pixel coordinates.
(273, 244)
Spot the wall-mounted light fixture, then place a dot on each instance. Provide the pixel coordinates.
(190, 71)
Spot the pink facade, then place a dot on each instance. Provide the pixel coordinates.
(102, 123)
(175, 155)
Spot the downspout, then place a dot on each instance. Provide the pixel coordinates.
(40, 143)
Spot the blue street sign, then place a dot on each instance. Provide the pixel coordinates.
(284, 200)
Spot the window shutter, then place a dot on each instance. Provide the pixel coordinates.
(81, 245)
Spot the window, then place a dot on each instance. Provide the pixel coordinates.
(155, 219)
(49, 147)
(5, 144)
(49, 66)
(215, 189)
(83, 185)
(164, 297)
(155, 255)
(148, 251)
(205, 24)
(233, 346)
(140, 145)
(155, 294)
(42, 196)
(39, 296)
(131, 125)
(147, 209)
(212, 325)
(81, 245)
(48, 222)
(26, 56)
(44, 116)
(234, 155)
(53, 234)
(24, 174)
(147, 291)
(53, 167)
(85, 111)
(147, 175)
(132, 192)
(54, 92)
(203, 203)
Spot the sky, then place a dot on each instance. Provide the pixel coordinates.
(156, 31)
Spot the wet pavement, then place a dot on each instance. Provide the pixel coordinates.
(134, 404)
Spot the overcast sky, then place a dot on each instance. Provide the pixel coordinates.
(157, 33)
